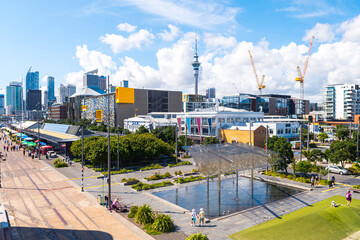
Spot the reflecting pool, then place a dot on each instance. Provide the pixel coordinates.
(229, 199)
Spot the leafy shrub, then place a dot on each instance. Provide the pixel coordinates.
(356, 186)
(185, 156)
(158, 176)
(197, 236)
(152, 166)
(167, 175)
(163, 223)
(144, 186)
(189, 179)
(61, 165)
(77, 160)
(178, 173)
(290, 177)
(144, 215)
(57, 161)
(133, 211)
(128, 180)
(180, 164)
(124, 170)
(282, 176)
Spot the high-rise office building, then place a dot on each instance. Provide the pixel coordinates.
(342, 101)
(210, 93)
(32, 80)
(65, 91)
(14, 97)
(51, 88)
(71, 90)
(102, 83)
(46, 99)
(124, 83)
(33, 100)
(91, 79)
(2, 104)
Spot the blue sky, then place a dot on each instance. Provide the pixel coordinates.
(65, 38)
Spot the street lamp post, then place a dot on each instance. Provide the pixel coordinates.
(82, 158)
(176, 142)
(118, 156)
(39, 139)
(109, 160)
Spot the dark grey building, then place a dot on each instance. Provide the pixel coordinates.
(210, 93)
(33, 100)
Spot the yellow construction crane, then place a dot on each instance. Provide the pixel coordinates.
(301, 77)
(261, 83)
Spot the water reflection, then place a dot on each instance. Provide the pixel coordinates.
(227, 198)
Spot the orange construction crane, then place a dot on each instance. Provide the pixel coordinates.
(301, 77)
(261, 83)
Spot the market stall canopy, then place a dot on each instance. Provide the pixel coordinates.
(29, 139)
(21, 134)
(31, 144)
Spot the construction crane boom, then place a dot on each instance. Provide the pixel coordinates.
(261, 83)
(308, 56)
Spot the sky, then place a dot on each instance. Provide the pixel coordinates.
(151, 43)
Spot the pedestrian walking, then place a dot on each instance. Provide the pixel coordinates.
(333, 180)
(24, 152)
(312, 181)
(348, 197)
(201, 217)
(317, 181)
(193, 218)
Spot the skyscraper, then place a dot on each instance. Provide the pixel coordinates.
(14, 97)
(33, 100)
(51, 88)
(102, 83)
(2, 104)
(91, 79)
(32, 80)
(71, 89)
(196, 66)
(65, 91)
(210, 93)
(46, 99)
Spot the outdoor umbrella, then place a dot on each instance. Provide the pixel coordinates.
(42, 144)
(24, 136)
(29, 139)
(31, 144)
(37, 141)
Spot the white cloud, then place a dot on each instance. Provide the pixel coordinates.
(44, 79)
(90, 60)
(169, 35)
(126, 27)
(351, 29)
(75, 78)
(330, 62)
(118, 43)
(202, 14)
(213, 41)
(321, 32)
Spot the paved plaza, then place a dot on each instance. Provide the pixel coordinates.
(44, 201)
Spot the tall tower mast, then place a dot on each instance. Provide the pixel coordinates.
(196, 66)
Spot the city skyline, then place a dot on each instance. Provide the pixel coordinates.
(130, 40)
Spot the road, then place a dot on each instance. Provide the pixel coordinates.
(42, 204)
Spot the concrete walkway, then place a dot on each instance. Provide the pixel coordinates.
(42, 204)
(218, 228)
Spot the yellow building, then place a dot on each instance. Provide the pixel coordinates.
(242, 135)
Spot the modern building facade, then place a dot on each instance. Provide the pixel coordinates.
(65, 91)
(191, 102)
(2, 104)
(271, 104)
(14, 97)
(57, 112)
(342, 101)
(32, 80)
(129, 102)
(102, 83)
(51, 88)
(210, 93)
(33, 100)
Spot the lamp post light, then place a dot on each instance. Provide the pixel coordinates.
(109, 160)
(39, 138)
(82, 158)
(118, 156)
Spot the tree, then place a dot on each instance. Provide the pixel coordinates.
(210, 140)
(323, 136)
(142, 130)
(284, 154)
(304, 167)
(181, 143)
(341, 132)
(166, 134)
(304, 135)
(342, 151)
(316, 155)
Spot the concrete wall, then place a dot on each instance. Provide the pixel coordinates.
(175, 101)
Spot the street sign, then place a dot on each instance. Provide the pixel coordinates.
(83, 108)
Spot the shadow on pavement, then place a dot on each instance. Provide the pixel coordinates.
(52, 233)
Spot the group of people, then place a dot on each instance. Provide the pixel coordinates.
(314, 181)
(200, 216)
(348, 199)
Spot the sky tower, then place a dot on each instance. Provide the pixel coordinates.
(196, 66)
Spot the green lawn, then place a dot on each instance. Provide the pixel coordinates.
(319, 221)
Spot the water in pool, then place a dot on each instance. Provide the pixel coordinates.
(230, 201)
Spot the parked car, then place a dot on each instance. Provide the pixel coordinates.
(337, 169)
(51, 154)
